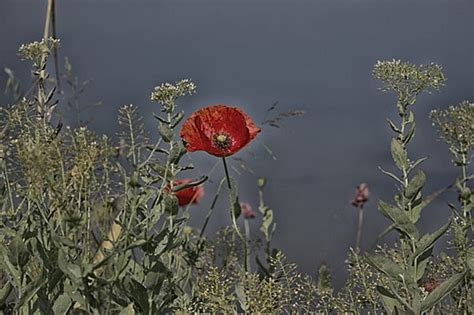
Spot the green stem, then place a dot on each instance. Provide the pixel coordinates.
(234, 219)
(211, 209)
(359, 226)
(247, 237)
(229, 185)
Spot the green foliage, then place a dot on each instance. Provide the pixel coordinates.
(93, 225)
(456, 126)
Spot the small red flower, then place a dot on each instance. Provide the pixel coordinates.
(188, 195)
(362, 195)
(219, 130)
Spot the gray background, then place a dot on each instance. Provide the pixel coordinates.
(313, 55)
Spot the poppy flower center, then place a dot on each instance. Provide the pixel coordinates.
(222, 141)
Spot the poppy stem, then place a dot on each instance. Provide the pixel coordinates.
(359, 226)
(234, 219)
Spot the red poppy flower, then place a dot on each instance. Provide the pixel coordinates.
(219, 130)
(188, 195)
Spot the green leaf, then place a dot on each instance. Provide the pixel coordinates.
(415, 185)
(389, 301)
(410, 134)
(30, 290)
(5, 292)
(391, 175)
(428, 240)
(165, 132)
(470, 259)
(400, 219)
(393, 126)
(177, 152)
(441, 291)
(418, 162)
(241, 297)
(386, 266)
(399, 154)
(234, 198)
(416, 210)
(171, 203)
(18, 253)
(13, 271)
(411, 117)
(62, 304)
(138, 293)
(190, 184)
(72, 271)
(129, 310)
(267, 221)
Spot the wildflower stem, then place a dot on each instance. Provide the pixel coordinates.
(466, 212)
(247, 237)
(234, 219)
(48, 19)
(359, 226)
(227, 173)
(211, 209)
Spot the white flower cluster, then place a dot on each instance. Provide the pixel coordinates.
(167, 93)
(36, 51)
(404, 77)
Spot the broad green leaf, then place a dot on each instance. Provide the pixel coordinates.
(62, 304)
(138, 293)
(386, 266)
(441, 291)
(422, 263)
(71, 270)
(154, 281)
(427, 241)
(399, 154)
(416, 210)
(18, 253)
(400, 219)
(415, 185)
(129, 310)
(389, 301)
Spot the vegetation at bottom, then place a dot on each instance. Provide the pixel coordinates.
(97, 225)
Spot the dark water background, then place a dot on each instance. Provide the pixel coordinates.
(314, 55)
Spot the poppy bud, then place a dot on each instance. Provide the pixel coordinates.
(362, 195)
(247, 211)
